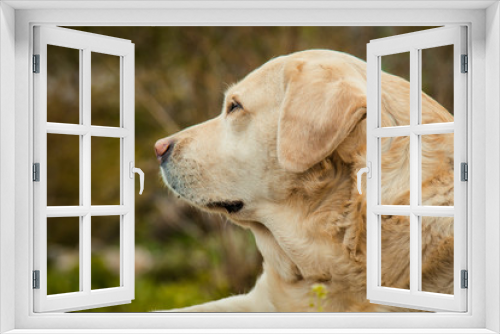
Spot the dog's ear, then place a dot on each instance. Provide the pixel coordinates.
(322, 105)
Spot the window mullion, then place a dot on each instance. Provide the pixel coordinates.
(85, 165)
(414, 170)
(81, 241)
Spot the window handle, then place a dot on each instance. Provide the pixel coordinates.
(368, 171)
(133, 170)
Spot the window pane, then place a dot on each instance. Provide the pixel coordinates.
(63, 255)
(437, 169)
(105, 234)
(105, 171)
(63, 85)
(395, 171)
(63, 170)
(105, 89)
(437, 85)
(437, 254)
(395, 89)
(395, 265)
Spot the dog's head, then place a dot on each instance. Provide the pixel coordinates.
(276, 124)
(281, 159)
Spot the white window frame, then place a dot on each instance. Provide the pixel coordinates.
(85, 44)
(16, 22)
(414, 44)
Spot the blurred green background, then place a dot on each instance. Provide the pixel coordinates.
(183, 256)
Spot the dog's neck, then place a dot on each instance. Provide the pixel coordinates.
(318, 212)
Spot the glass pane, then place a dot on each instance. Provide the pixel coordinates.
(105, 234)
(437, 254)
(395, 266)
(63, 255)
(395, 89)
(105, 171)
(105, 89)
(437, 85)
(63, 170)
(395, 171)
(63, 85)
(437, 169)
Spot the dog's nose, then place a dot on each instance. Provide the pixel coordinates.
(163, 148)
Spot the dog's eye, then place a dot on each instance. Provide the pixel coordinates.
(233, 107)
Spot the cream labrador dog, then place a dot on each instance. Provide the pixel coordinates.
(281, 160)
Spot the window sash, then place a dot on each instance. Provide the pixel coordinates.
(86, 43)
(413, 43)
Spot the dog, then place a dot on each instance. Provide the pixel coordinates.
(281, 160)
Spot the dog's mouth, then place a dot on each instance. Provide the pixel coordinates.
(229, 206)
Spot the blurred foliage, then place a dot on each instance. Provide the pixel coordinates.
(63, 185)
(183, 256)
(62, 254)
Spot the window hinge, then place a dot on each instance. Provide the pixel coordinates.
(465, 64)
(465, 279)
(464, 172)
(36, 63)
(36, 279)
(36, 172)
